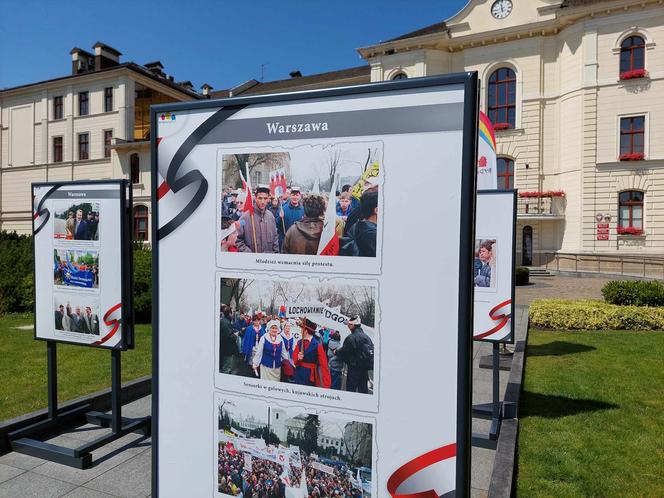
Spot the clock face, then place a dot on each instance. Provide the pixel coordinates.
(501, 9)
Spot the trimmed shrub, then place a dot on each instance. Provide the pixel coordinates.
(586, 314)
(522, 276)
(634, 292)
(142, 285)
(16, 277)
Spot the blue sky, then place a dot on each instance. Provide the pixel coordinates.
(222, 43)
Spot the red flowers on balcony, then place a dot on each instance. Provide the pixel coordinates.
(632, 156)
(629, 231)
(501, 126)
(633, 74)
(547, 193)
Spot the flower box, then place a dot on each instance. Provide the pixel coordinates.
(633, 74)
(629, 231)
(548, 193)
(632, 156)
(502, 126)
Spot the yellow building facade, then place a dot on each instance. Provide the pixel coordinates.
(575, 113)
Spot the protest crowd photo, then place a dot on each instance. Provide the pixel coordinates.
(73, 268)
(337, 215)
(272, 452)
(319, 335)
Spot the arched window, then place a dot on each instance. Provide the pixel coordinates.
(400, 76)
(630, 211)
(502, 98)
(632, 56)
(505, 173)
(135, 168)
(140, 223)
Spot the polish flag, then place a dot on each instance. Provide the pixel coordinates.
(246, 185)
(329, 240)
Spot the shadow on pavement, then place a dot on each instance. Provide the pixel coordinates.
(558, 348)
(552, 406)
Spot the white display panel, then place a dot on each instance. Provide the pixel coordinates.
(493, 265)
(417, 147)
(81, 267)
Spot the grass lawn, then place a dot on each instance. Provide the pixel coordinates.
(592, 415)
(81, 370)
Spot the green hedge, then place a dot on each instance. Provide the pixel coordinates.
(522, 276)
(16, 286)
(16, 276)
(564, 314)
(634, 292)
(142, 285)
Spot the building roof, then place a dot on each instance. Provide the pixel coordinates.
(108, 48)
(439, 27)
(125, 65)
(578, 3)
(319, 80)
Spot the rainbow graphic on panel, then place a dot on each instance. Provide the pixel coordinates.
(486, 131)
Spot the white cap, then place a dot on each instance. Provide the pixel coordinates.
(273, 323)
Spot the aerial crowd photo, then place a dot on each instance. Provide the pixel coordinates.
(307, 332)
(310, 200)
(269, 451)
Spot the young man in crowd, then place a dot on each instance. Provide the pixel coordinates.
(363, 232)
(258, 232)
(304, 235)
(357, 353)
(291, 212)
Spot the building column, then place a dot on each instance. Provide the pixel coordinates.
(588, 204)
(44, 131)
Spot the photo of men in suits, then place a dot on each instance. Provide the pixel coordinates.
(81, 319)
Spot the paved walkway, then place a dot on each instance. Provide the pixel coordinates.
(123, 468)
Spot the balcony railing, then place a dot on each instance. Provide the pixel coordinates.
(549, 207)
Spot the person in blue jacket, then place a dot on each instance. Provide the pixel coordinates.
(482, 264)
(291, 212)
(252, 335)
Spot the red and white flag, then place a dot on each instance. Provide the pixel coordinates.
(246, 185)
(329, 240)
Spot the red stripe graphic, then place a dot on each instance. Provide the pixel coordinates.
(115, 323)
(414, 466)
(502, 319)
(159, 140)
(162, 190)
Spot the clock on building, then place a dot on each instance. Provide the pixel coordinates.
(501, 9)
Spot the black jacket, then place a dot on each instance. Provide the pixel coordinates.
(228, 342)
(357, 349)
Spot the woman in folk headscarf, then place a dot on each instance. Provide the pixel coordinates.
(287, 371)
(270, 353)
(310, 360)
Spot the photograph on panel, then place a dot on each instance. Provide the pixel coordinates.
(78, 221)
(76, 268)
(274, 450)
(485, 264)
(300, 332)
(305, 203)
(76, 313)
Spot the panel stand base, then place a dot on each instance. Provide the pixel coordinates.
(81, 457)
(491, 411)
